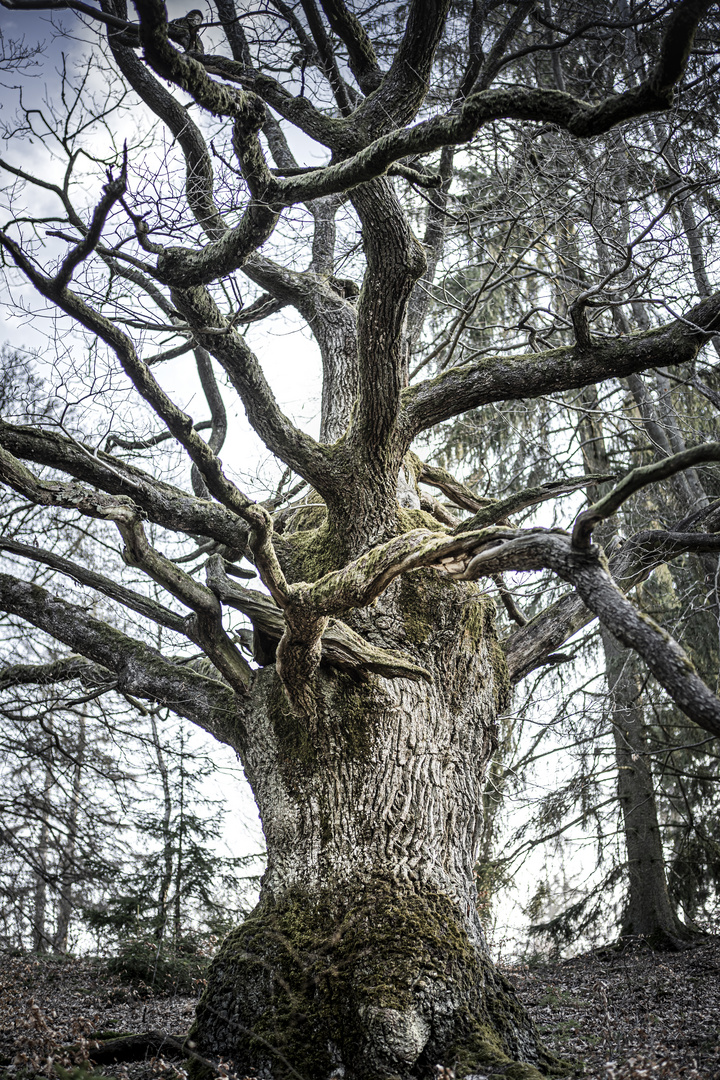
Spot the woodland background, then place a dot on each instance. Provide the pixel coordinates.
(119, 838)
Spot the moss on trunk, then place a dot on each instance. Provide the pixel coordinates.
(365, 958)
(381, 984)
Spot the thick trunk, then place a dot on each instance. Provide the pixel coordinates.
(648, 912)
(365, 956)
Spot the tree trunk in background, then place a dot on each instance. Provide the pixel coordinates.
(365, 957)
(68, 869)
(167, 851)
(39, 934)
(648, 911)
(177, 913)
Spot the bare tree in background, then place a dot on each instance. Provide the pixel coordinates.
(366, 721)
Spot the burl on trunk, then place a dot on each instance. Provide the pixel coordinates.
(365, 956)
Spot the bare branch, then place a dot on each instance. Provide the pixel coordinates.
(64, 670)
(532, 496)
(199, 170)
(453, 489)
(178, 422)
(634, 481)
(152, 440)
(206, 628)
(139, 669)
(328, 63)
(584, 570)
(508, 601)
(162, 502)
(112, 192)
(632, 563)
(511, 378)
(144, 605)
(66, 5)
(361, 54)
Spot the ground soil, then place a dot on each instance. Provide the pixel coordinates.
(617, 1015)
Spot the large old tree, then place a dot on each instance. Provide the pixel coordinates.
(367, 714)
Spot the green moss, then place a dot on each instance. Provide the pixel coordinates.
(420, 597)
(422, 594)
(478, 619)
(345, 719)
(502, 685)
(312, 548)
(297, 747)
(312, 552)
(310, 516)
(478, 624)
(409, 519)
(484, 1043)
(519, 1071)
(414, 465)
(417, 610)
(198, 1070)
(313, 981)
(354, 705)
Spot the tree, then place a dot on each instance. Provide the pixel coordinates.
(577, 209)
(60, 838)
(83, 838)
(367, 719)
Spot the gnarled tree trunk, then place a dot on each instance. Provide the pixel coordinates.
(365, 956)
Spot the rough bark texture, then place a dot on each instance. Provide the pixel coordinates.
(365, 956)
(648, 912)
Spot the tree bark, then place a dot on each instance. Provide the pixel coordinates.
(68, 868)
(648, 912)
(365, 956)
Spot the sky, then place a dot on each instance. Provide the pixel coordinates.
(289, 357)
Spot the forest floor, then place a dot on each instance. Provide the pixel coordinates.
(630, 1015)
(635, 1015)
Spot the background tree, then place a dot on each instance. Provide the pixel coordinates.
(583, 214)
(369, 715)
(85, 844)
